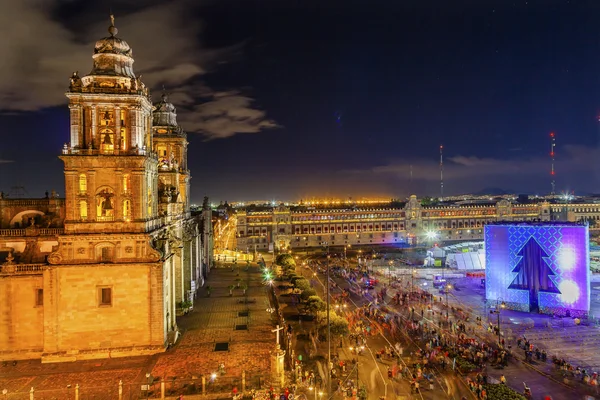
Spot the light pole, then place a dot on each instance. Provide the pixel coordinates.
(148, 385)
(390, 265)
(5, 393)
(412, 289)
(499, 305)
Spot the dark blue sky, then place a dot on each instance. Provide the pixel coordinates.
(361, 91)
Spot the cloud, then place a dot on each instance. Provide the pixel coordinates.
(5, 161)
(226, 114)
(467, 173)
(42, 53)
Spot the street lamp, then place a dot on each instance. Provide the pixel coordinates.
(499, 305)
(148, 386)
(5, 393)
(412, 289)
(448, 287)
(390, 265)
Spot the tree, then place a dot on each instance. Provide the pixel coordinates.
(302, 284)
(286, 261)
(314, 304)
(307, 293)
(338, 324)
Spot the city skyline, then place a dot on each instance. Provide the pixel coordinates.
(289, 100)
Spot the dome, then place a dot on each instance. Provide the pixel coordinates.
(112, 45)
(164, 113)
(112, 55)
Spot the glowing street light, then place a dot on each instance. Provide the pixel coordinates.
(448, 287)
(431, 235)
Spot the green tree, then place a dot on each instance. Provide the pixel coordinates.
(314, 304)
(307, 293)
(302, 284)
(286, 261)
(338, 324)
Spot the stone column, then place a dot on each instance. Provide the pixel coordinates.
(76, 125)
(198, 259)
(94, 123)
(173, 296)
(178, 273)
(133, 127)
(187, 265)
(118, 129)
(156, 296)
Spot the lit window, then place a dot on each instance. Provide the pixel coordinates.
(39, 297)
(126, 183)
(105, 296)
(83, 212)
(82, 183)
(126, 209)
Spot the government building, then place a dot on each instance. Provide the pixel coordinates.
(104, 271)
(404, 224)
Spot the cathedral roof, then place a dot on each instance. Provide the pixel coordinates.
(112, 55)
(164, 113)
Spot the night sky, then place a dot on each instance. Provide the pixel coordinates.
(294, 99)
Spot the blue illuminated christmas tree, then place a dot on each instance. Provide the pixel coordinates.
(533, 272)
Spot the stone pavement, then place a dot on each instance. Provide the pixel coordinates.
(213, 320)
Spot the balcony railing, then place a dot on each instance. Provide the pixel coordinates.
(22, 269)
(32, 232)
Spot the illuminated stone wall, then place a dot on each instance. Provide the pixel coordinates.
(78, 326)
(21, 320)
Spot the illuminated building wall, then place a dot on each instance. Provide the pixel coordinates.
(304, 227)
(538, 267)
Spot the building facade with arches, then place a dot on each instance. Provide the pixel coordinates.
(409, 223)
(104, 271)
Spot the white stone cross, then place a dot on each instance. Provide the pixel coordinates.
(277, 330)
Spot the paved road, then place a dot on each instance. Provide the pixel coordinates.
(449, 385)
(373, 373)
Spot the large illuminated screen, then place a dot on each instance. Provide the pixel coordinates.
(538, 267)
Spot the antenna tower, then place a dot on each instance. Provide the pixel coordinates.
(552, 146)
(441, 172)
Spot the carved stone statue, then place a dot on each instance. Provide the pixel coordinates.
(75, 81)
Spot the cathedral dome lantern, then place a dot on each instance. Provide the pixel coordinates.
(112, 55)
(164, 116)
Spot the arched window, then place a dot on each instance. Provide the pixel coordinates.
(104, 205)
(127, 209)
(82, 183)
(126, 183)
(83, 212)
(107, 141)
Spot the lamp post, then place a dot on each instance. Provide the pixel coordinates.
(412, 288)
(499, 305)
(390, 265)
(148, 385)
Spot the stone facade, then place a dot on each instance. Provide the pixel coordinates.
(105, 271)
(407, 224)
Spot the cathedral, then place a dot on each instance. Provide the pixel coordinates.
(106, 270)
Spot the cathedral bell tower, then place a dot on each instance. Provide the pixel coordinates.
(170, 144)
(111, 173)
